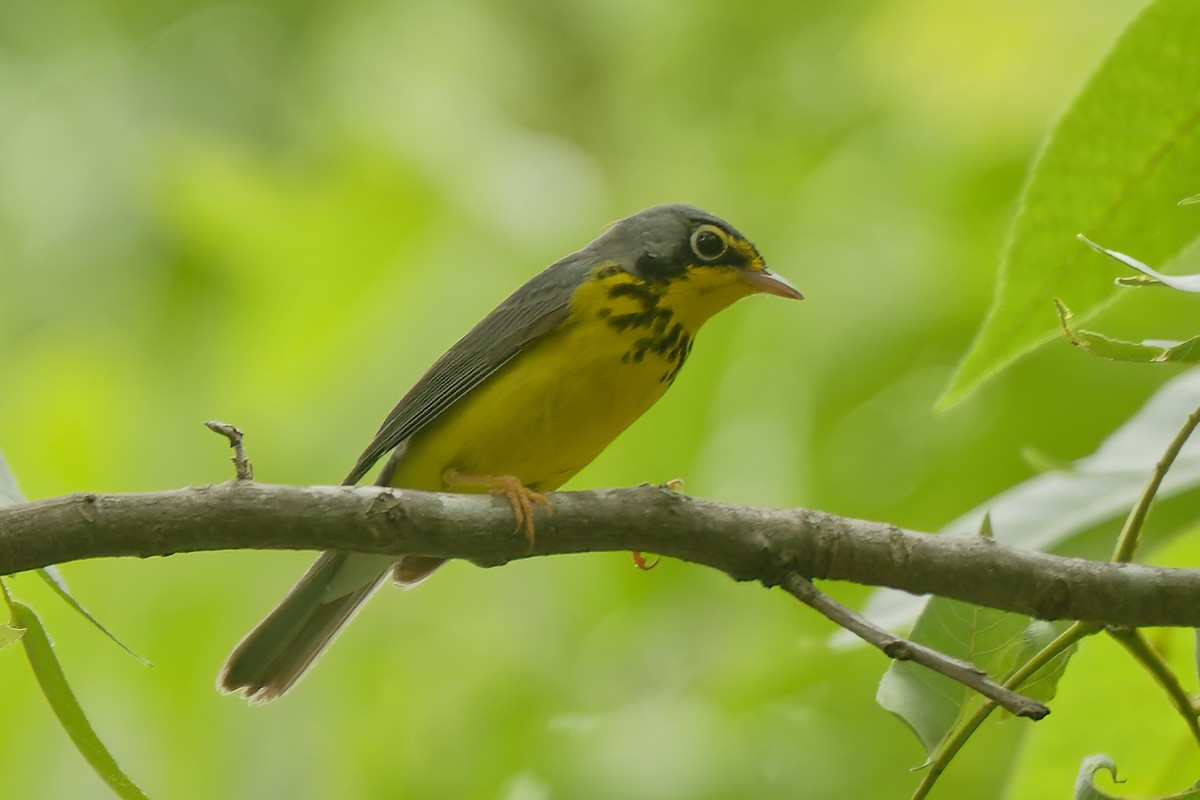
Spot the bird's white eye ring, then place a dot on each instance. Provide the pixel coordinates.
(709, 242)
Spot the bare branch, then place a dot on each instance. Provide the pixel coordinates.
(904, 650)
(748, 543)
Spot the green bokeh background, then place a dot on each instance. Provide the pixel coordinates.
(277, 214)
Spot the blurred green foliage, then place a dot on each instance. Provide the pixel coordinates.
(278, 214)
(1117, 164)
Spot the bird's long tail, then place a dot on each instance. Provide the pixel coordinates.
(276, 653)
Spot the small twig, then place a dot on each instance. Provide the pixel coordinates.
(958, 737)
(1135, 642)
(245, 472)
(1127, 542)
(904, 650)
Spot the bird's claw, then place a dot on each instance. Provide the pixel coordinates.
(639, 561)
(519, 496)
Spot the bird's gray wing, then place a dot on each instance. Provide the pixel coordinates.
(532, 311)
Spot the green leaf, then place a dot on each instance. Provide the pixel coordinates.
(1039, 461)
(995, 641)
(1114, 166)
(1085, 787)
(1136, 281)
(9, 493)
(1196, 648)
(1036, 636)
(9, 634)
(50, 677)
(1148, 351)
(1184, 283)
(55, 580)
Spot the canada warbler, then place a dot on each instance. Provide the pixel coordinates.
(523, 402)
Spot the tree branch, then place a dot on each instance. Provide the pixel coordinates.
(904, 650)
(768, 545)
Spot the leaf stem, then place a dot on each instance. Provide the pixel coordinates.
(1135, 642)
(1127, 542)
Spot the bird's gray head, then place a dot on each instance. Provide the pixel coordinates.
(661, 242)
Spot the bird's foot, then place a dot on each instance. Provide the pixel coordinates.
(639, 560)
(519, 496)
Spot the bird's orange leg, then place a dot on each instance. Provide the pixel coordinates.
(519, 496)
(639, 560)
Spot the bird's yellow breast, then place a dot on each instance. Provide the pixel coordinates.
(557, 404)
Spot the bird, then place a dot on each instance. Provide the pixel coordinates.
(522, 403)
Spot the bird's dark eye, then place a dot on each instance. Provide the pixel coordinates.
(709, 242)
